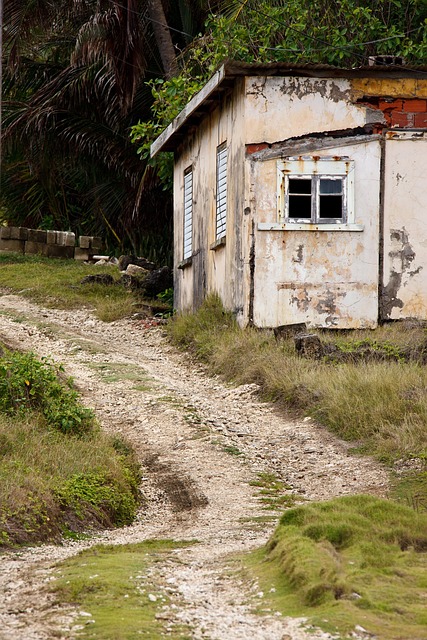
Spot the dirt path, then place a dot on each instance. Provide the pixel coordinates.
(201, 443)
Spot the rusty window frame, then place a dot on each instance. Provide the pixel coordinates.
(221, 191)
(188, 213)
(315, 169)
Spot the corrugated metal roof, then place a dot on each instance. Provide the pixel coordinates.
(207, 98)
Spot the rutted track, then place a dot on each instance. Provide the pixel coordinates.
(181, 422)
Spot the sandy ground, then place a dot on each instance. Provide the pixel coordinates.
(186, 428)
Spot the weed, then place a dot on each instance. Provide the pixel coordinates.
(233, 450)
(272, 491)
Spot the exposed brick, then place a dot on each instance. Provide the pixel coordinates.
(402, 119)
(253, 148)
(17, 246)
(38, 248)
(420, 120)
(415, 105)
(386, 105)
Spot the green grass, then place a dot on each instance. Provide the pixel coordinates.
(351, 561)
(111, 372)
(59, 474)
(272, 492)
(112, 584)
(56, 284)
(379, 405)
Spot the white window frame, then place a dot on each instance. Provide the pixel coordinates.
(316, 168)
(221, 191)
(188, 214)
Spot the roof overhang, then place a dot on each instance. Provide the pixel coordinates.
(207, 98)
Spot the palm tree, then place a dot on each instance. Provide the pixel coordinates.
(74, 84)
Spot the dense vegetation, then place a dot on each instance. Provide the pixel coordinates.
(59, 474)
(80, 76)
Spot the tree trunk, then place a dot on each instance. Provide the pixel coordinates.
(163, 37)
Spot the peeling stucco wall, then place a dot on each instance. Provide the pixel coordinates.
(322, 278)
(404, 286)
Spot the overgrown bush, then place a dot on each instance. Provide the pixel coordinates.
(28, 384)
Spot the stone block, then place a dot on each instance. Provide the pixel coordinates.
(70, 239)
(41, 235)
(60, 238)
(37, 248)
(50, 237)
(18, 233)
(84, 242)
(32, 235)
(96, 243)
(16, 246)
(5, 233)
(82, 254)
(57, 251)
(309, 346)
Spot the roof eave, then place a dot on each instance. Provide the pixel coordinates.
(164, 141)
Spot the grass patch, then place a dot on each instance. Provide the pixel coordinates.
(59, 474)
(351, 561)
(380, 405)
(112, 584)
(272, 492)
(110, 372)
(56, 284)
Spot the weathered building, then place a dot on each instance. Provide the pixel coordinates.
(300, 194)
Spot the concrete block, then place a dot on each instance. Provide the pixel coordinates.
(96, 242)
(5, 233)
(41, 235)
(82, 254)
(32, 235)
(60, 238)
(70, 239)
(50, 237)
(84, 242)
(37, 248)
(16, 246)
(57, 251)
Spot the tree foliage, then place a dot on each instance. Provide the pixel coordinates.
(343, 33)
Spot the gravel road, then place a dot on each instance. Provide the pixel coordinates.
(200, 442)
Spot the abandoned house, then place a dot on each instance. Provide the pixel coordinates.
(300, 194)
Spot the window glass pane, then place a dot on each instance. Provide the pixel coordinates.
(331, 207)
(300, 206)
(330, 186)
(298, 185)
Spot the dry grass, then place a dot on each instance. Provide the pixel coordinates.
(380, 405)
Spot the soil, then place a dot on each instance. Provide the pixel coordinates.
(201, 443)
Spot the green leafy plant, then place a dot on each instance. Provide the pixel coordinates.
(29, 384)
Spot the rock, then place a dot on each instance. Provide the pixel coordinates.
(134, 270)
(157, 281)
(125, 261)
(309, 345)
(289, 330)
(100, 278)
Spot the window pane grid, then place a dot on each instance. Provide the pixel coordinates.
(316, 198)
